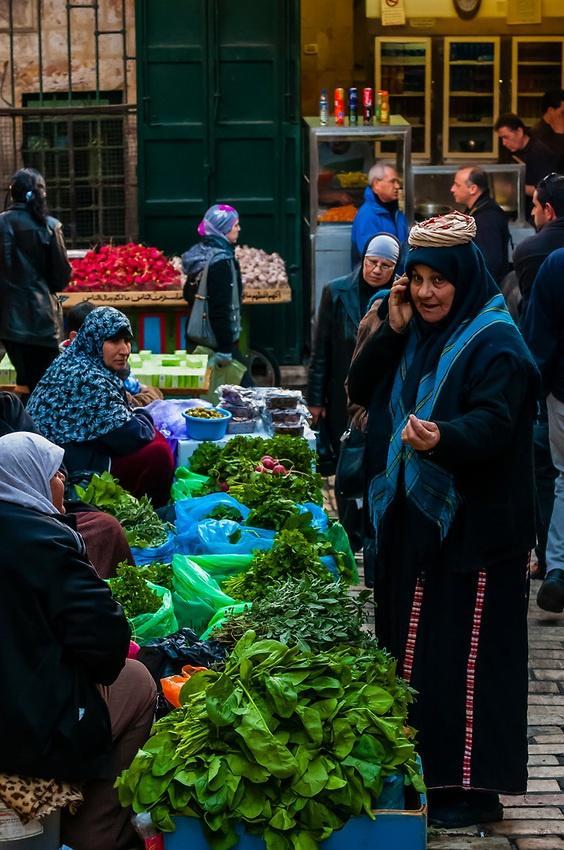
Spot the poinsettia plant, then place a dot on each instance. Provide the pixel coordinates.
(122, 267)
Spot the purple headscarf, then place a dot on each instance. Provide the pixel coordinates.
(218, 220)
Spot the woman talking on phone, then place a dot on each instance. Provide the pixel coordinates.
(450, 386)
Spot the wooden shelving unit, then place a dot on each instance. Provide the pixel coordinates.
(403, 68)
(471, 97)
(537, 65)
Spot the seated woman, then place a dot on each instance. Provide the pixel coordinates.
(78, 710)
(105, 540)
(80, 404)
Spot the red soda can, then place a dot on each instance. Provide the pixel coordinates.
(367, 105)
(339, 107)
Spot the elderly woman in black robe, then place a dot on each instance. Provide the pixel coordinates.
(450, 387)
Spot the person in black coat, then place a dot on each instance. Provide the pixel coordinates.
(63, 647)
(344, 302)
(471, 189)
(33, 267)
(450, 389)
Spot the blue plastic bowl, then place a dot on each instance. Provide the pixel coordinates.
(207, 429)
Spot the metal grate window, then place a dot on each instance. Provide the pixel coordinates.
(82, 158)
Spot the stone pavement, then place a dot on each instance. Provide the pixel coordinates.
(534, 821)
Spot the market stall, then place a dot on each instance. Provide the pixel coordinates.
(282, 719)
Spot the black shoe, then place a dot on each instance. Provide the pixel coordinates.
(551, 593)
(465, 809)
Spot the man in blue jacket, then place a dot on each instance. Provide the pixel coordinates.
(380, 212)
(543, 329)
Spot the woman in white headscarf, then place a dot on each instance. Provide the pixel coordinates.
(77, 710)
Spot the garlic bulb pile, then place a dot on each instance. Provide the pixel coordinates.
(260, 270)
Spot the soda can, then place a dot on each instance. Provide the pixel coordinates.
(367, 105)
(339, 107)
(353, 106)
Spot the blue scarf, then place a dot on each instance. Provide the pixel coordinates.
(79, 398)
(430, 487)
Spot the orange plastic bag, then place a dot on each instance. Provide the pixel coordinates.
(171, 685)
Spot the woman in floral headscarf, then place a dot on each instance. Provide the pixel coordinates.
(80, 404)
(219, 231)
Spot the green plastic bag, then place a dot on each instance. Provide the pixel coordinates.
(222, 567)
(231, 373)
(339, 540)
(222, 616)
(187, 484)
(162, 623)
(200, 594)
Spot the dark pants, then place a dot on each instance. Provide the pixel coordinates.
(101, 823)
(545, 475)
(30, 361)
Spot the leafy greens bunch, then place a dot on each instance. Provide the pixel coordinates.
(130, 589)
(292, 555)
(234, 467)
(289, 743)
(314, 614)
(141, 524)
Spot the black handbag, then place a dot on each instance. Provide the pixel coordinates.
(349, 477)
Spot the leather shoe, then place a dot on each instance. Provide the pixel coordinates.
(551, 592)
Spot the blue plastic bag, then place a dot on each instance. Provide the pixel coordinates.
(320, 520)
(223, 537)
(191, 511)
(163, 553)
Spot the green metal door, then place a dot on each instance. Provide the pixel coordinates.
(219, 122)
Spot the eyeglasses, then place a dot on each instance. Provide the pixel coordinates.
(374, 264)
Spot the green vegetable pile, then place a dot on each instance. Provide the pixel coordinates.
(234, 469)
(130, 589)
(141, 524)
(292, 555)
(158, 573)
(292, 744)
(315, 614)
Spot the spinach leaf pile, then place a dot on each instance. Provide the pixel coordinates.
(289, 743)
(130, 589)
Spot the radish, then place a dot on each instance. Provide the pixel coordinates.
(260, 468)
(268, 462)
(223, 486)
(278, 469)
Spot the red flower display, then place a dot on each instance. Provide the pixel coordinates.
(120, 267)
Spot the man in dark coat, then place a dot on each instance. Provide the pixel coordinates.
(529, 255)
(543, 329)
(538, 159)
(550, 128)
(470, 188)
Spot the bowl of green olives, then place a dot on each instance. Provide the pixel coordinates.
(206, 423)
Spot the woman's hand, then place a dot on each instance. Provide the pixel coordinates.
(400, 309)
(421, 434)
(317, 414)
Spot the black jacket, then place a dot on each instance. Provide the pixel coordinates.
(335, 339)
(220, 278)
(543, 323)
(61, 634)
(530, 254)
(487, 446)
(554, 141)
(492, 235)
(33, 267)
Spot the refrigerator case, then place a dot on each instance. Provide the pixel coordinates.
(336, 163)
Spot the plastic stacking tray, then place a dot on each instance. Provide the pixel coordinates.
(393, 829)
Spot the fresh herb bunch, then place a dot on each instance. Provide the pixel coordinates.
(292, 555)
(204, 458)
(298, 488)
(289, 743)
(158, 573)
(142, 526)
(315, 614)
(130, 589)
(241, 455)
